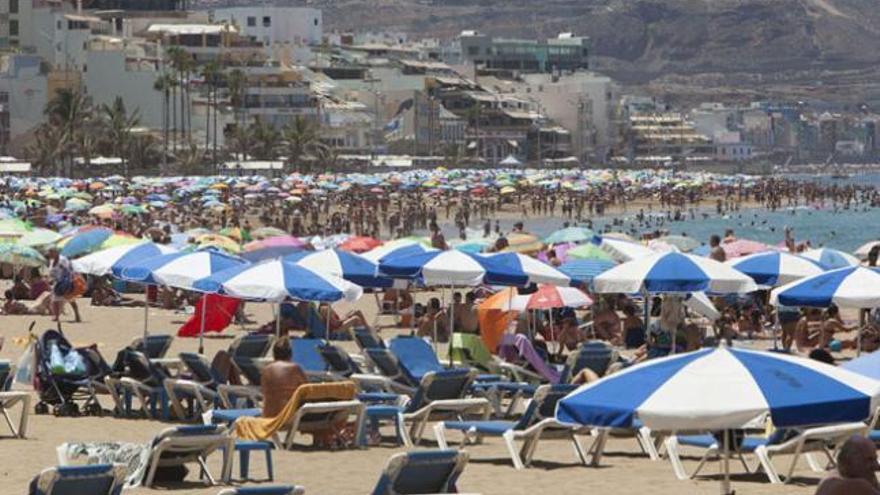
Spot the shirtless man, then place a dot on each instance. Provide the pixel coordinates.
(856, 466)
(280, 379)
(466, 319)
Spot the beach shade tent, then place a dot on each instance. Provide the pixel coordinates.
(583, 271)
(622, 250)
(277, 281)
(359, 244)
(864, 249)
(443, 268)
(722, 389)
(181, 270)
(775, 268)
(570, 234)
(218, 241)
(17, 255)
(38, 237)
(84, 241)
(853, 287)
(13, 228)
(867, 365)
(343, 264)
(273, 247)
(831, 258)
(267, 232)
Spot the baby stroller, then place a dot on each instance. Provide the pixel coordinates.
(68, 379)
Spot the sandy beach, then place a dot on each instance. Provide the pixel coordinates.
(623, 470)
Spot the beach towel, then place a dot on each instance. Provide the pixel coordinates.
(258, 428)
(221, 312)
(135, 457)
(515, 346)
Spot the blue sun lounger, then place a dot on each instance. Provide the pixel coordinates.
(265, 490)
(97, 479)
(426, 471)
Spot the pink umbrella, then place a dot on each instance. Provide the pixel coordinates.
(743, 247)
(550, 296)
(561, 250)
(275, 242)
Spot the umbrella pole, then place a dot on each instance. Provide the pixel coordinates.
(204, 300)
(725, 485)
(776, 330)
(451, 321)
(329, 315)
(277, 311)
(146, 310)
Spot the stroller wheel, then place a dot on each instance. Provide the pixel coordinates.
(41, 408)
(67, 409)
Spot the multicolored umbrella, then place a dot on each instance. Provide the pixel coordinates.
(570, 234)
(38, 237)
(84, 241)
(17, 255)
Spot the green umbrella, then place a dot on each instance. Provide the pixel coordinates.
(20, 255)
(588, 252)
(132, 209)
(570, 234)
(39, 237)
(13, 227)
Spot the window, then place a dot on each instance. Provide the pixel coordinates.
(473, 50)
(13, 6)
(316, 21)
(13, 27)
(252, 21)
(267, 21)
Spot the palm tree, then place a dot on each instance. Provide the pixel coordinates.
(71, 111)
(236, 82)
(118, 125)
(211, 75)
(266, 139)
(328, 157)
(240, 140)
(46, 148)
(188, 160)
(144, 151)
(178, 60)
(300, 137)
(164, 83)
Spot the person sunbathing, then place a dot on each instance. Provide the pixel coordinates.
(280, 379)
(808, 332)
(856, 467)
(832, 324)
(466, 318)
(434, 322)
(12, 306)
(353, 319)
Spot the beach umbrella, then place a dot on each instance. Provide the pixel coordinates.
(444, 268)
(278, 281)
(520, 270)
(181, 270)
(265, 232)
(349, 266)
(38, 237)
(115, 259)
(218, 241)
(622, 250)
(284, 240)
(84, 241)
(585, 270)
(699, 302)
(867, 365)
(523, 243)
(103, 211)
(549, 297)
(76, 204)
(673, 273)
(864, 249)
(722, 389)
(359, 244)
(743, 247)
(589, 251)
(18, 255)
(853, 287)
(14, 228)
(396, 249)
(570, 234)
(831, 258)
(775, 268)
(683, 243)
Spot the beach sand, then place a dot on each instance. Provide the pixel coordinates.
(623, 470)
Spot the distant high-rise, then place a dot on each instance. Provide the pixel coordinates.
(563, 53)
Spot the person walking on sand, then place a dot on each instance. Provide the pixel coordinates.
(61, 272)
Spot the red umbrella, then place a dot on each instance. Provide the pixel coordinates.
(550, 296)
(359, 244)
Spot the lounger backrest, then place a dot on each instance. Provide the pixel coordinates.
(209, 433)
(442, 385)
(96, 479)
(201, 370)
(595, 356)
(6, 375)
(416, 357)
(338, 361)
(543, 404)
(306, 353)
(431, 471)
(366, 340)
(250, 368)
(251, 346)
(154, 346)
(385, 361)
(141, 369)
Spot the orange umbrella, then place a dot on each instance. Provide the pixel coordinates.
(359, 244)
(495, 317)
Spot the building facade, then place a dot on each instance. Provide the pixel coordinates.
(275, 25)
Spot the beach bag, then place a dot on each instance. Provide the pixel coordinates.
(78, 286)
(62, 285)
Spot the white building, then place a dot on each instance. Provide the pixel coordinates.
(275, 25)
(15, 23)
(24, 90)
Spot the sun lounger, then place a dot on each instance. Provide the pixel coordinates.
(153, 346)
(518, 348)
(537, 422)
(144, 381)
(11, 398)
(313, 407)
(205, 389)
(264, 490)
(442, 394)
(427, 471)
(97, 479)
(366, 339)
(187, 444)
(253, 345)
(596, 356)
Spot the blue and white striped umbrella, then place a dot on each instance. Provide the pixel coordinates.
(622, 250)
(519, 270)
(586, 270)
(116, 259)
(350, 266)
(673, 273)
(715, 389)
(396, 250)
(774, 268)
(854, 287)
(278, 281)
(831, 258)
(180, 270)
(436, 268)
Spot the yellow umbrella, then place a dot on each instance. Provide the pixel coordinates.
(218, 241)
(523, 243)
(508, 190)
(102, 211)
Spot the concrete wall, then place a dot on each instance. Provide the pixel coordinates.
(107, 78)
